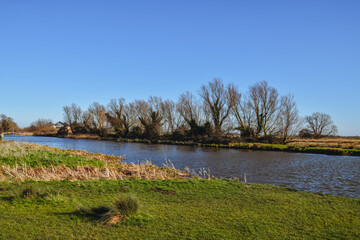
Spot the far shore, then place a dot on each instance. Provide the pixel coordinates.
(330, 146)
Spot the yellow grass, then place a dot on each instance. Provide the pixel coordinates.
(141, 171)
(21, 133)
(345, 143)
(113, 169)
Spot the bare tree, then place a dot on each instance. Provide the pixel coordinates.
(98, 119)
(191, 112)
(72, 117)
(264, 102)
(171, 116)
(150, 116)
(120, 116)
(42, 126)
(320, 125)
(188, 108)
(242, 112)
(218, 101)
(288, 121)
(86, 121)
(67, 115)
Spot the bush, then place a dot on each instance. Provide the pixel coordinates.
(179, 134)
(136, 132)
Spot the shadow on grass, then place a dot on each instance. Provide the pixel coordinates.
(92, 214)
(8, 199)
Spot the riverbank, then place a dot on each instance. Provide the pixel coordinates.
(329, 146)
(296, 146)
(173, 204)
(24, 161)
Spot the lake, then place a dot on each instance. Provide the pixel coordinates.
(337, 175)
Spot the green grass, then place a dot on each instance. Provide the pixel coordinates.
(15, 153)
(175, 209)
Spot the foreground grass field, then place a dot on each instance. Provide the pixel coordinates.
(176, 209)
(173, 205)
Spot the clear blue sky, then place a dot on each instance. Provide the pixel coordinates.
(54, 53)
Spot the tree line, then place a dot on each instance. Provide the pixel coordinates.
(216, 111)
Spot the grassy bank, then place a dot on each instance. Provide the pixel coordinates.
(176, 209)
(23, 161)
(171, 205)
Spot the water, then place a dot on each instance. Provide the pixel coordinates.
(337, 175)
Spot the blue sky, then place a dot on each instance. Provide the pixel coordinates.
(54, 53)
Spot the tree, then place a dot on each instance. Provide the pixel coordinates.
(150, 116)
(189, 109)
(242, 112)
(120, 116)
(288, 119)
(42, 126)
(171, 116)
(72, 117)
(218, 102)
(86, 122)
(97, 117)
(264, 103)
(320, 125)
(7, 124)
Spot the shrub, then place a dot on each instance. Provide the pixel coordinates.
(136, 132)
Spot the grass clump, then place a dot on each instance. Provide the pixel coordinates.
(30, 192)
(124, 206)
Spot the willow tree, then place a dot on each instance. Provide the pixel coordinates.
(288, 121)
(170, 115)
(150, 116)
(98, 121)
(218, 102)
(72, 117)
(264, 103)
(243, 113)
(190, 110)
(120, 116)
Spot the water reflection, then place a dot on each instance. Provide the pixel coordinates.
(338, 175)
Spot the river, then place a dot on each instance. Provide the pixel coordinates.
(337, 175)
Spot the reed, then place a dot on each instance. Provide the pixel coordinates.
(23, 161)
(124, 171)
